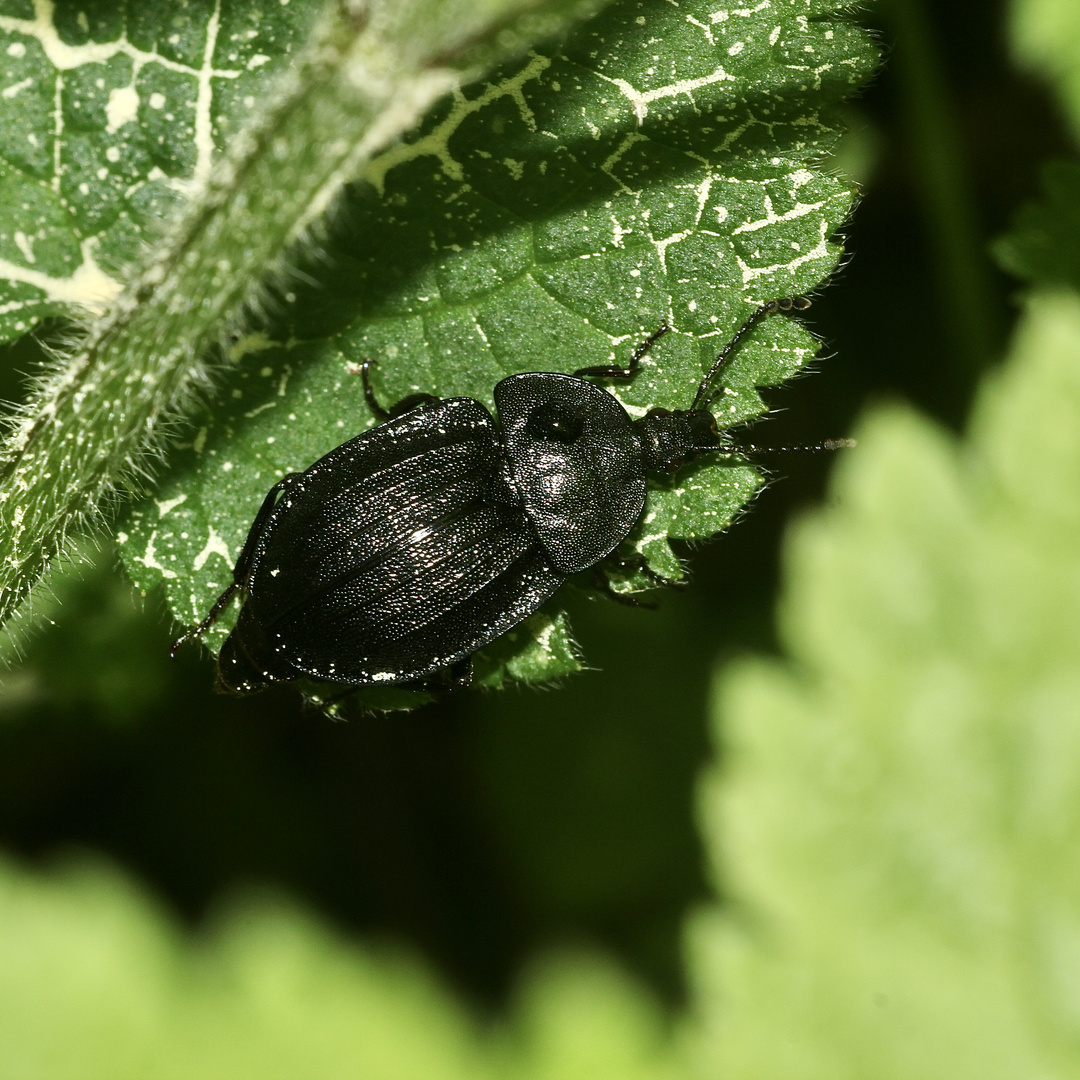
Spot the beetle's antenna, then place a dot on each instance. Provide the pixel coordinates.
(787, 303)
(808, 448)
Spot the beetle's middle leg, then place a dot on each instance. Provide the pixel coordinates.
(381, 412)
(636, 563)
(602, 583)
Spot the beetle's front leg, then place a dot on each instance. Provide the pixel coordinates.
(636, 563)
(625, 374)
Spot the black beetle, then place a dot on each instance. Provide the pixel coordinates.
(395, 557)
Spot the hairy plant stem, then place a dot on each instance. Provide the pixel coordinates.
(365, 77)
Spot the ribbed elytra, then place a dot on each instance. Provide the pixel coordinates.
(399, 554)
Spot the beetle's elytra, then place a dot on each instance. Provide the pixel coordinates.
(396, 556)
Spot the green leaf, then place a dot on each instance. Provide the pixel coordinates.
(658, 164)
(98, 983)
(108, 114)
(897, 812)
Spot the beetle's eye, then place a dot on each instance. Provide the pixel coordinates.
(555, 421)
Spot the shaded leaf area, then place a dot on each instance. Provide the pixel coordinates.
(107, 113)
(898, 809)
(1044, 242)
(656, 165)
(99, 983)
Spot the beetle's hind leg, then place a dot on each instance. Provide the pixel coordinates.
(243, 563)
(613, 371)
(220, 605)
(381, 412)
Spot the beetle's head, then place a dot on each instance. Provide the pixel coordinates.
(671, 438)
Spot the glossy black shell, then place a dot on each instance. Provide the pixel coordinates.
(409, 547)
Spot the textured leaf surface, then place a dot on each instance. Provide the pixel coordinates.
(98, 984)
(898, 812)
(107, 113)
(656, 165)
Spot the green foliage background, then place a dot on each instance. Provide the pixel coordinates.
(890, 809)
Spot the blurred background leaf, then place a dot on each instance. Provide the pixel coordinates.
(1045, 38)
(1044, 242)
(98, 982)
(897, 815)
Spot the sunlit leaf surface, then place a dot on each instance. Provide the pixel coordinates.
(107, 113)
